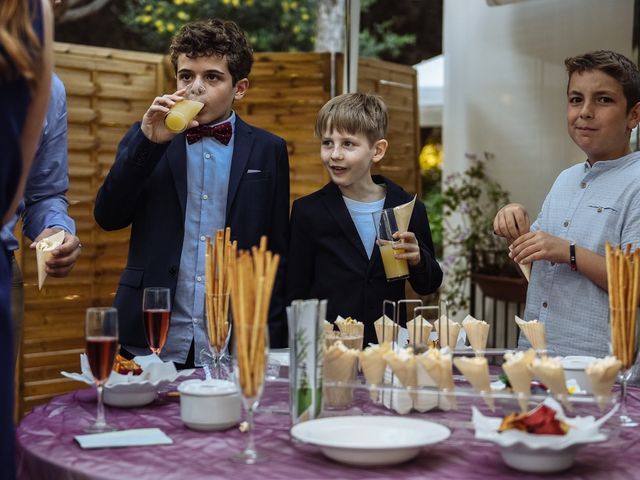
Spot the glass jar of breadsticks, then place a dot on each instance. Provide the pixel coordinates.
(623, 282)
(217, 301)
(252, 276)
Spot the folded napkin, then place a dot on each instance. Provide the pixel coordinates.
(136, 437)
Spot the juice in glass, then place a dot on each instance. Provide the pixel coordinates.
(394, 268)
(181, 115)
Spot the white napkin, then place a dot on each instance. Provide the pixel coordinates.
(43, 253)
(124, 438)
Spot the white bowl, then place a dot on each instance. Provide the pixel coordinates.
(541, 460)
(130, 394)
(209, 404)
(574, 366)
(367, 441)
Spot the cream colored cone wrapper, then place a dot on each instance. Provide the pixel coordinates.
(476, 371)
(339, 366)
(419, 330)
(439, 366)
(386, 329)
(550, 372)
(373, 365)
(403, 214)
(43, 253)
(448, 337)
(525, 268)
(602, 374)
(477, 332)
(534, 331)
(517, 367)
(327, 327)
(403, 365)
(426, 399)
(350, 327)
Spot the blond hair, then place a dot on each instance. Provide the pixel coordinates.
(20, 47)
(354, 113)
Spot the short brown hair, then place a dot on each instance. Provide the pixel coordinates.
(354, 113)
(210, 37)
(613, 64)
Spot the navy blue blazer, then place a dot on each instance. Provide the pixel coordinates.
(328, 260)
(147, 189)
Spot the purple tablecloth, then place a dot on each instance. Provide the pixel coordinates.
(46, 449)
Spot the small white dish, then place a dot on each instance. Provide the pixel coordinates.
(543, 460)
(209, 404)
(368, 441)
(130, 394)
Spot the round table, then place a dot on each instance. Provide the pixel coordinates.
(47, 450)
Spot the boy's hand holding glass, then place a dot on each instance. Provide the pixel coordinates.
(406, 247)
(153, 126)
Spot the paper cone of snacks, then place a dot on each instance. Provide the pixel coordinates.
(534, 331)
(602, 374)
(386, 329)
(525, 268)
(339, 366)
(450, 330)
(438, 365)
(373, 365)
(403, 365)
(419, 330)
(477, 332)
(352, 328)
(550, 372)
(425, 399)
(44, 249)
(476, 371)
(517, 367)
(327, 327)
(403, 214)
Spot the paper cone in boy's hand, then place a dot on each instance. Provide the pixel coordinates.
(403, 214)
(44, 249)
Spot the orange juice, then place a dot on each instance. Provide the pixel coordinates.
(394, 268)
(181, 115)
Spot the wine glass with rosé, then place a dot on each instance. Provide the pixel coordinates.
(156, 309)
(101, 343)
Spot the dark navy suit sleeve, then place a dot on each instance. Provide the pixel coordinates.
(279, 243)
(136, 158)
(427, 276)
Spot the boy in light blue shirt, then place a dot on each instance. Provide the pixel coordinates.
(589, 204)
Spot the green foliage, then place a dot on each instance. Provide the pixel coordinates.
(474, 198)
(271, 25)
(381, 40)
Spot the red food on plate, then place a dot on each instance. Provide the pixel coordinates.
(124, 366)
(541, 421)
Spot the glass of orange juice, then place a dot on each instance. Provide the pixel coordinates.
(181, 115)
(386, 226)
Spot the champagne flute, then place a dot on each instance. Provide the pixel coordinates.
(156, 307)
(250, 358)
(101, 337)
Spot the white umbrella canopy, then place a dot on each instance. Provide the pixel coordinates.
(430, 90)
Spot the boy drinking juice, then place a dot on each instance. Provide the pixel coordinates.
(589, 204)
(333, 234)
(175, 189)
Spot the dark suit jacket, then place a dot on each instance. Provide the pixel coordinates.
(147, 189)
(328, 260)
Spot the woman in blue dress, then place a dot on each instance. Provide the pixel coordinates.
(25, 78)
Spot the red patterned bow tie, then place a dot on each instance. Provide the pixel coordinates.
(221, 132)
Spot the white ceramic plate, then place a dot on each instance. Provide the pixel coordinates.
(370, 440)
(542, 460)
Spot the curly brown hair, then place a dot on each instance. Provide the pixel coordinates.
(217, 37)
(613, 64)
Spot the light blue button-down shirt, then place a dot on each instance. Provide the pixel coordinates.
(589, 205)
(208, 170)
(44, 204)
